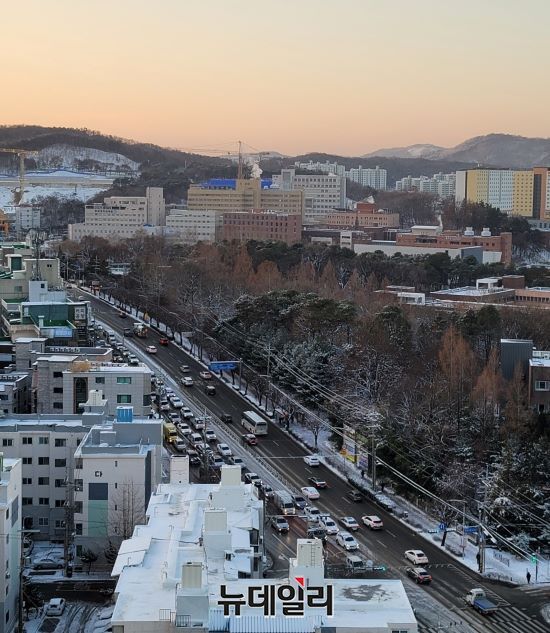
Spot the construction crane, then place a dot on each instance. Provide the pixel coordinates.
(22, 154)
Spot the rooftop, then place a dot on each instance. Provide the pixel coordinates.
(471, 291)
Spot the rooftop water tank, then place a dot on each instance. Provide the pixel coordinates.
(486, 232)
(124, 414)
(469, 231)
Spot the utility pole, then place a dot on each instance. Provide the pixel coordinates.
(373, 461)
(240, 373)
(21, 602)
(205, 460)
(481, 552)
(69, 526)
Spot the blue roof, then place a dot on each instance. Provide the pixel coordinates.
(230, 183)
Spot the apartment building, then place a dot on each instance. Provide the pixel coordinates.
(62, 382)
(369, 177)
(118, 465)
(121, 217)
(262, 226)
(365, 215)
(440, 184)
(27, 217)
(192, 226)
(15, 392)
(322, 193)
(10, 541)
(541, 193)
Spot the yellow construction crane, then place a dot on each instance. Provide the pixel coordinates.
(22, 154)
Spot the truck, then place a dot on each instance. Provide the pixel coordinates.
(478, 600)
(170, 432)
(283, 500)
(140, 330)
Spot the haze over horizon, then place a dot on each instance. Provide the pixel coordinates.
(289, 77)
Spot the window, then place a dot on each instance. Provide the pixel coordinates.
(27, 440)
(43, 481)
(58, 389)
(57, 405)
(43, 521)
(542, 385)
(59, 483)
(27, 481)
(60, 503)
(78, 507)
(60, 442)
(43, 461)
(58, 374)
(26, 501)
(27, 461)
(123, 398)
(124, 380)
(43, 501)
(43, 439)
(7, 442)
(60, 463)
(100, 380)
(59, 523)
(78, 529)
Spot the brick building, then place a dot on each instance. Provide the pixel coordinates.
(262, 225)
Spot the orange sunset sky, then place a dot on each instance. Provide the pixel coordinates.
(341, 76)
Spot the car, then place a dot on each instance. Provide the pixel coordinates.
(174, 417)
(280, 524)
(312, 460)
(205, 375)
(225, 417)
(55, 607)
(184, 428)
(317, 483)
(47, 562)
(176, 402)
(180, 445)
(313, 514)
(267, 491)
(251, 477)
(236, 461)
(347, 541)
(184, 369)
(310, 493)
(163, 340)
(216, 461)
(199, 423)
(299, 502)
(210, 435)
(164, 405)
(186, 413)
(151, 349)
(128, 332)
(419, 575)
(316, 531)
(224, 450)
(194, 459)
(249, 438)
(416, 557)
(210, 390)
(122, 315)
(186, 381)
(133, 360)
(195, 438)
(354, 495)
(329, 524)
(372, 521)
(169, 392)
(349, 523)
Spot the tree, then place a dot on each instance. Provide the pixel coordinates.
(88, 557)
(127, 509)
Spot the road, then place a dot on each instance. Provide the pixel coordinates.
(519, 610)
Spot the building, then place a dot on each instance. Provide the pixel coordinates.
(200, 540)
(24, 217)
(517, 192)
(262, 226)
(326, 167)
(122, 217)
(442, 185)
(489, 290)
(322, 193)
(375, 178)
(10, 543)
(15, 392)
(62, 382)
(365, 215)
(229, 195)
(192, 226)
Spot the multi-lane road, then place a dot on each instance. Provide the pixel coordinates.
(519, 609)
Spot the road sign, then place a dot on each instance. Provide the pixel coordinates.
(471, 529)
(379, 568)
(223, 365)
(442, 527)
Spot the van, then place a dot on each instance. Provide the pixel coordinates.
(283, 501)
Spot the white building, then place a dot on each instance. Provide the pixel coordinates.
(120, 217)
(368, 177)
(322, 193)
(199, 538)
(192, 226)
(10, 543)
(27, 217)
(326, 167)
(117, 467)
(442, 185)
(15, 392)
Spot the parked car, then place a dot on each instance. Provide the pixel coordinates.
(224, 450)
(225, 417)
(186, 413)
(347, 541)
(317, 483)
(354, 495)
(280, 524)
(299, 502)
(210, 390)
(329, 524)
(310, 493)
(186, 381)
(416, 557)
(151, 349)
(47, 562)
(419, 575)
(372, 521)
(312, 460)
(349, 523)
(250, 439)
(55, 607)
(210, 435)
(205, 375)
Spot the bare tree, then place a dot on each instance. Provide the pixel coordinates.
(127, 509)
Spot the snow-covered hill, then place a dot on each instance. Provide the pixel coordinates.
(87, 158)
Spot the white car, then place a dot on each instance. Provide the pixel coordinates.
(169, 392)
(347, 541)
(164, 405)
(312, 460)
(416, 557)
(176, 402)
(329, 524)
(210, 435)
(55, 606)
(310, 492)
(151, 349)
(312, 513)
(186, 413)
(373, 522)
(224, 450)
(184, 428)
(349, 523)
(186, 381)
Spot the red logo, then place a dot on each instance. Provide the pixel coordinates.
(300, 580)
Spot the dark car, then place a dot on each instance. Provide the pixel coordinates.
(225, 417)
(280, 524)
(163, 341)
(299, 502)
(355, 495)
(210, 390)
(128, 332)
(250, 439)
(317, 532)
(122, 315)
(419, 575)
(318, 483)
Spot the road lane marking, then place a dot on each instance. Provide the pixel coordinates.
(383, 544)
(390, 532)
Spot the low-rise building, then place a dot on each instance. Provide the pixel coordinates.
(10, 543)
(15, 392)
(192, 226)
(262, 225)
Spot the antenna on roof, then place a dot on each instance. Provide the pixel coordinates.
(240, 168)
(37, 239)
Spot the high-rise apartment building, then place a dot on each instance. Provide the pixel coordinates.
(442, 185)
(541, 192)
(368, 177)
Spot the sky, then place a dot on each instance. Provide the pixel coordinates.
(339, 76)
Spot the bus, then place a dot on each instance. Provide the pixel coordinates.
(254, 423)
(170, 432)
